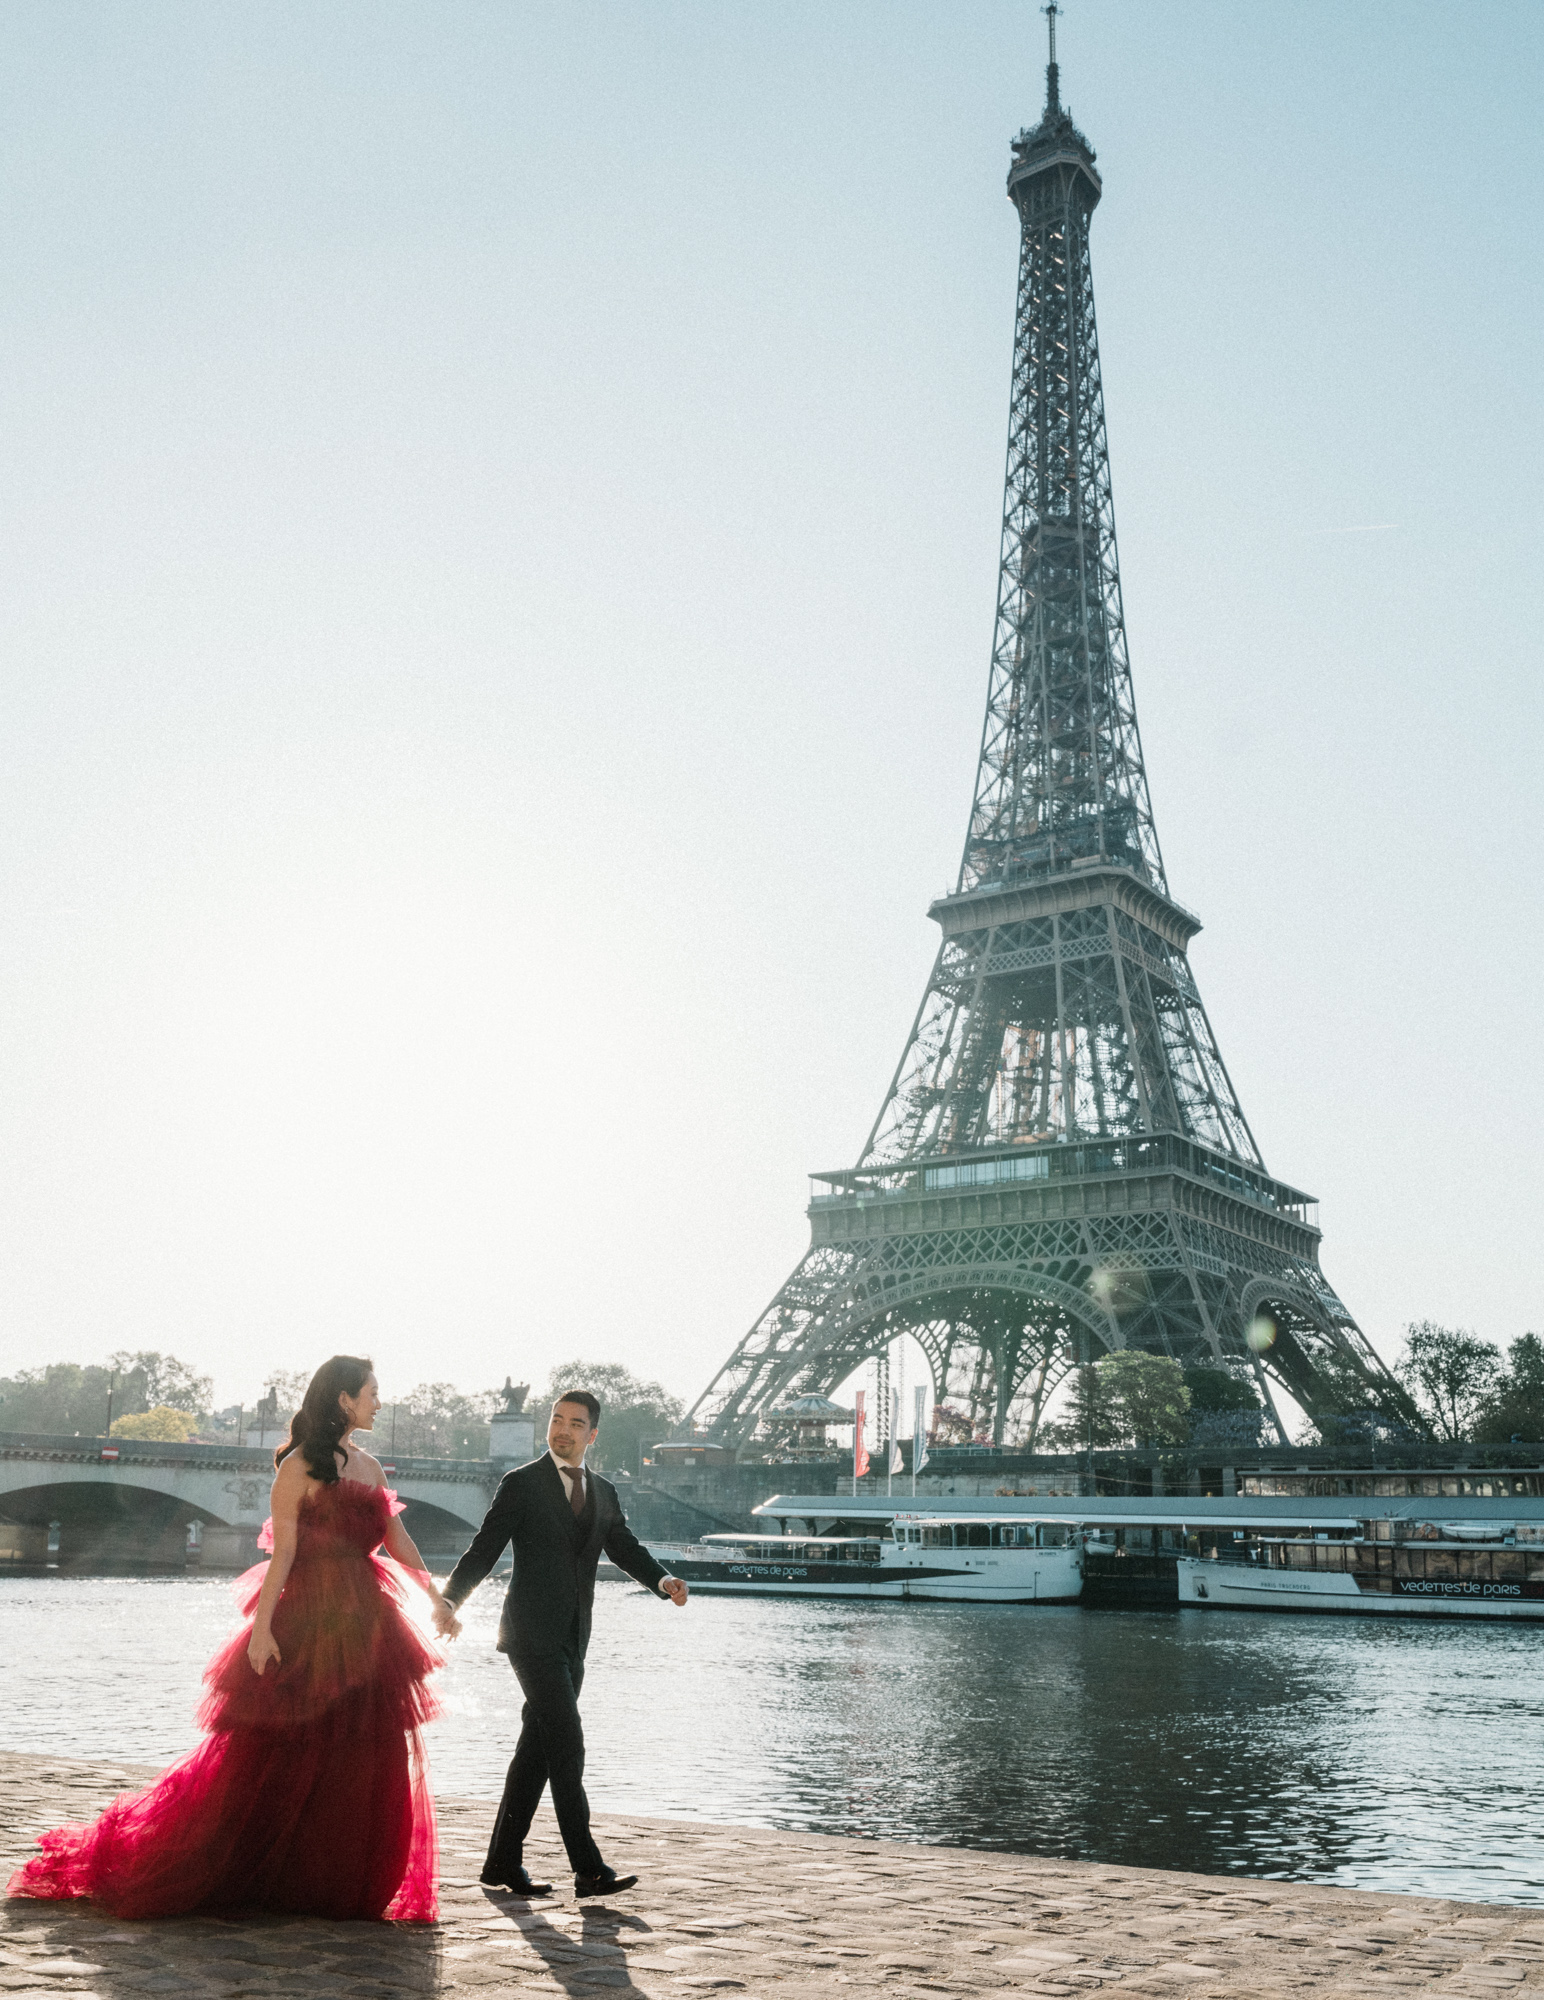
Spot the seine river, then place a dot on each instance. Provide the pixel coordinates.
(1377, 1755)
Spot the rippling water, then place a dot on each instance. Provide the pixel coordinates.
(1377, 1755)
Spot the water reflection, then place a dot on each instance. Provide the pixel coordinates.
(1375, 1755)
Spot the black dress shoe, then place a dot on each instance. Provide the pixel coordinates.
(515, 1882)
(607, 1883)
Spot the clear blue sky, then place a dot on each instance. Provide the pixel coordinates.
(499, 534)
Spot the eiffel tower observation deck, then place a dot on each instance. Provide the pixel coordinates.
(1061, 1168)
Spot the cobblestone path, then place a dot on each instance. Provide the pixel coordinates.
(789, 1916)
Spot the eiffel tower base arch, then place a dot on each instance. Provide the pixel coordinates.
(1009, 1303)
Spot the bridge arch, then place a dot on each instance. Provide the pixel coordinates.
(33, 1493)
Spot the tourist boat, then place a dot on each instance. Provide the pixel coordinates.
(1018, 1559)
(1437, 1569)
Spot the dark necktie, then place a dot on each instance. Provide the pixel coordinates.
(575, 1480)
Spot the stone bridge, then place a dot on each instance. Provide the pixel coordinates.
(169, 1505)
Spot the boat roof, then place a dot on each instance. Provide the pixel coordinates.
(768, 1535)
(883, 1520)
(1141, 1510)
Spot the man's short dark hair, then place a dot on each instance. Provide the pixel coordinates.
(591, 1403)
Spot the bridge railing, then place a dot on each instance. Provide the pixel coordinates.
(220, 1457)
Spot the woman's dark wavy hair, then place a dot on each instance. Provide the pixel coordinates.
(318, 1427)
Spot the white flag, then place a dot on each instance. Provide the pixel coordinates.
(895, 1432)
(919, 1433)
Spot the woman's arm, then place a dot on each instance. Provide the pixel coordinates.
(401, 1546)
(288, 1491)
(403, 1549)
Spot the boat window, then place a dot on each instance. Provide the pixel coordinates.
(938, 1538)
(1053, 1536)
(976, 1537)
(1011, 1536)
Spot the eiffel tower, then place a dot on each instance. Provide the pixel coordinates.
(1061, 1168)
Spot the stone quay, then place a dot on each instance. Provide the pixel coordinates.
(786, 1915)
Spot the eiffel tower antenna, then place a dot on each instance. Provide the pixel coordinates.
(1061, 1167)
(1052, 80)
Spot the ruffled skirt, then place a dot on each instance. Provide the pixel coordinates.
(309, 1792)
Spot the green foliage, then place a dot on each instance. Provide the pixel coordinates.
(1453, 1376)
(1515, 1407)
(63, 1399)
(1150, 1396)
(67, 1399)
(634, 1415)
(162, 1425)
(149, 1380)
(1088, 1415)
(1125, 1400)
(1220, 1389)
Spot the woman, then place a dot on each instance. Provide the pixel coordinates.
(309, 1792)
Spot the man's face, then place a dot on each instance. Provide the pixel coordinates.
(569, 1435)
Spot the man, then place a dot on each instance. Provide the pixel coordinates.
(559, 1516)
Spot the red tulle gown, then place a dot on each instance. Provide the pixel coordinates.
(309, 1792)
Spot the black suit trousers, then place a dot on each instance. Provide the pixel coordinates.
(550, 1751)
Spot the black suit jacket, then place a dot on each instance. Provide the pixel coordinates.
(552, 1585)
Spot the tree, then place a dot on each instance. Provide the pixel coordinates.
(1125, 1399)
(1089, 1418)
(162, 1425)
(67, 1399)
(1150, 1396)
(1515, 1407)
(148, 1380)
(949, 1426)
(62, 1400)
(1225, 1409)
(634, 1415)
(1452, 1374)
(1219, 1389)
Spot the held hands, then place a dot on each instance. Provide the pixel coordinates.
(674, 1589)
(261, 1649)
(446, 1623)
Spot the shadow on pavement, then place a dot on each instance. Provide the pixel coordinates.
(291, 1958)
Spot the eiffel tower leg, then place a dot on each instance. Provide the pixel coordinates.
(782, 1351)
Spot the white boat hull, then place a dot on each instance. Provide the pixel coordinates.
(1011, 1576)
(1221, 1586)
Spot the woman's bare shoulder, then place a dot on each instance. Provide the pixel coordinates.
(292, 1479)
(365, 1465)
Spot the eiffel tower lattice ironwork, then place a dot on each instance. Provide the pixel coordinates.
(1061, 1167)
